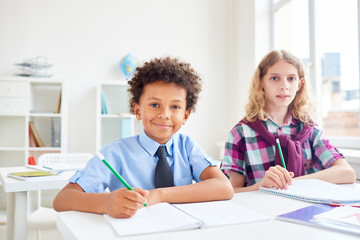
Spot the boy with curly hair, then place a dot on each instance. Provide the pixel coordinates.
(163, 93)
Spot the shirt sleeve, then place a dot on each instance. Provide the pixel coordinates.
(234, 154)
(92, 178)
(324, 153)
(198, 159)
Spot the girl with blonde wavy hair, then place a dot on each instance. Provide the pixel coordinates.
(279, 109)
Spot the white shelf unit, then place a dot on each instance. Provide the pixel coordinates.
(24, 100)
(118, 122)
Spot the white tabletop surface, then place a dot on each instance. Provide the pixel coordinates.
(79, 225)
(15, 185)
(17, 197)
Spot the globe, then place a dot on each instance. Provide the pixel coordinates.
(128, 65)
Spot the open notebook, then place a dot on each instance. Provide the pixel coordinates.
(314, 190)
(165, 217)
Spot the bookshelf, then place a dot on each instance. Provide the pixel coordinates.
(26, 101)
(113, 118)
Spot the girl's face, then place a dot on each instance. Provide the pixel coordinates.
(162, 110)
(280, 85)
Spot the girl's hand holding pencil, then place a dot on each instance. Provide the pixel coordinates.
(277, 177)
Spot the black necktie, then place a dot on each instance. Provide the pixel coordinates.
(163, 173)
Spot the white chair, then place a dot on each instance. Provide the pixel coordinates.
(64, 161)
(44, 218)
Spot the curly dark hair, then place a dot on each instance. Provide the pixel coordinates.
(169, 70)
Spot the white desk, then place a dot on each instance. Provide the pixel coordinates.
(16, 191)
(79, 225)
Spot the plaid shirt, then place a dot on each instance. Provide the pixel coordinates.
(250, 155)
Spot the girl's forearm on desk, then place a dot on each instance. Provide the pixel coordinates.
(238, 181)
(253, 187)
(339, 172)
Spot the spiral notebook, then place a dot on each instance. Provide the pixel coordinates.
(318, 191)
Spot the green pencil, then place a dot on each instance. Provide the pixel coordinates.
(122, 180)
(280, 152)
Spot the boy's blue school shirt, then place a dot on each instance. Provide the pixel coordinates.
(135, 159)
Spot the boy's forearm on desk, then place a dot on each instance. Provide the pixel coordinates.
(72, 199)
(207, 190)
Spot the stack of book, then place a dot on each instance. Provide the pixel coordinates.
(345, 219)
(32, 175)
(338, 207)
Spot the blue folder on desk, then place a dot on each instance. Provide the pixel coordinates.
(306, 216)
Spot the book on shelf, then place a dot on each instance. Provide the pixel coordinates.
(345, 219)
(318, 191)
(36, 135)
(58, 106)
(55, 132)
(126, 127)
(32, 142)
(156, 218)
(32, 175)
(104, 109)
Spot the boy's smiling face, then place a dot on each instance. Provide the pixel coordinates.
(162, 109)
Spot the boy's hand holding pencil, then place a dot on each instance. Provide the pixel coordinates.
(124, 202)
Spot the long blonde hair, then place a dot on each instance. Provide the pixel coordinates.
(300, 107)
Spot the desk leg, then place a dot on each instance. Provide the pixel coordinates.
(10, 214)
(17, 215)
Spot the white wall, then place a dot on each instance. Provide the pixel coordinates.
(85, 41)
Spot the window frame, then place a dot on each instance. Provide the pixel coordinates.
(315, 71)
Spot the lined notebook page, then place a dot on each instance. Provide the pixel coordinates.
(162, 217)
(314, 190)
(219, 213)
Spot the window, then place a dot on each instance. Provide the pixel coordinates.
(324, 35)
(291, 28)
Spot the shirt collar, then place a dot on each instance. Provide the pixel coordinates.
(151, 146)
(288, 120)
